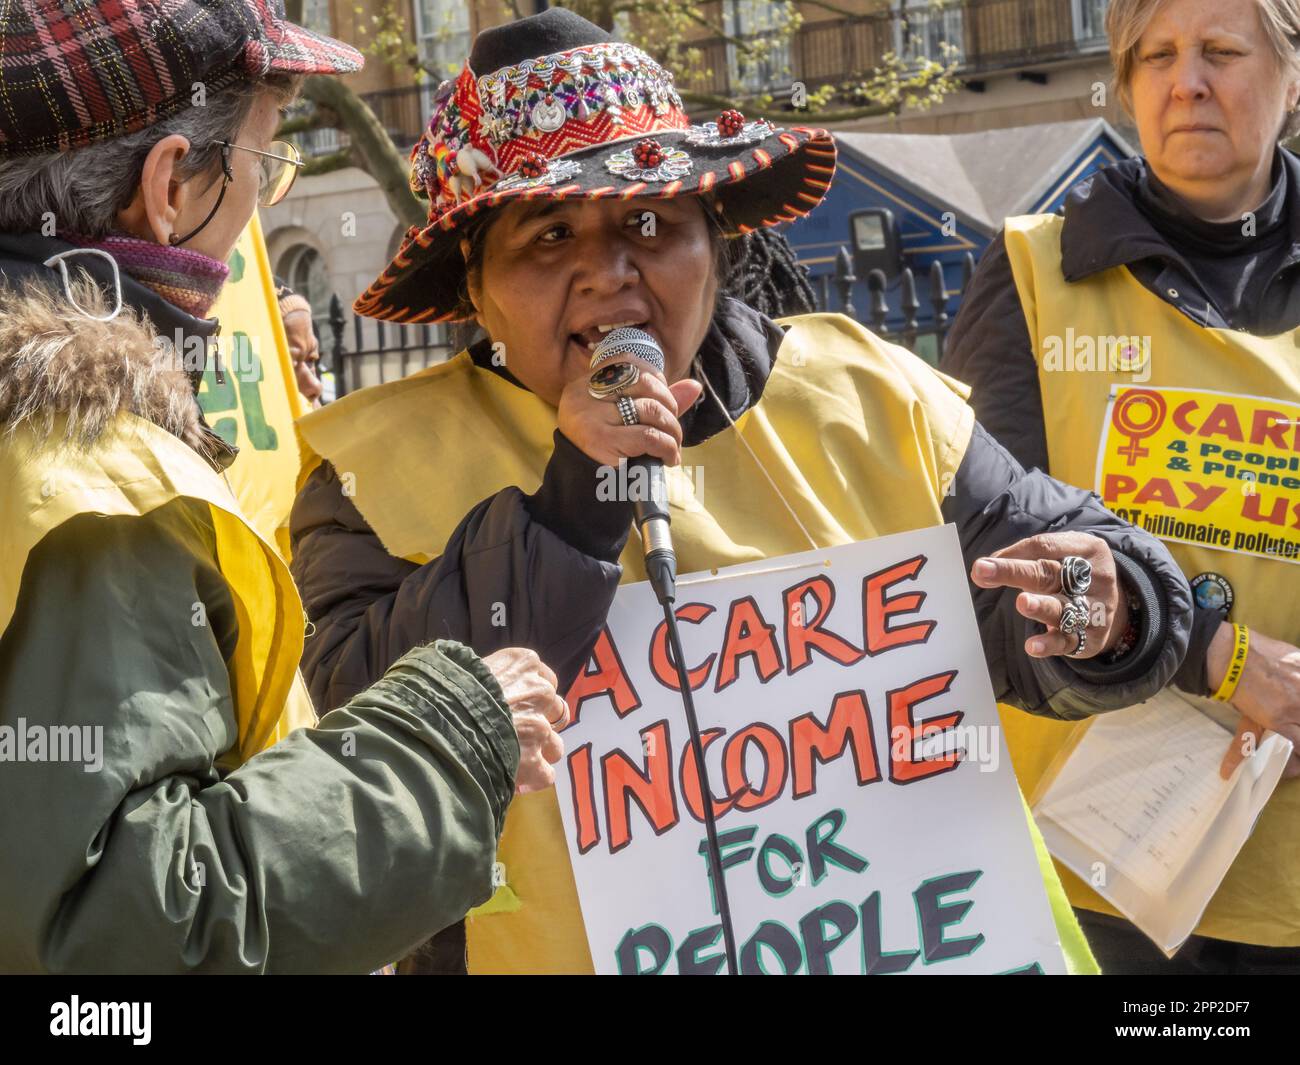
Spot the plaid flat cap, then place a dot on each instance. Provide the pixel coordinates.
(73, 72)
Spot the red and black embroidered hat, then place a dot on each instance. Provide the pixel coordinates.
(552, 107)
(73, 72)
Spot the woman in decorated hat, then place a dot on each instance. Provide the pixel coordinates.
(570, 195)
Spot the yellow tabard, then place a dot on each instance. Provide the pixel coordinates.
(1193, 433)
(862, 437)
(136, 468)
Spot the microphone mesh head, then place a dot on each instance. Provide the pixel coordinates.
(628, 340)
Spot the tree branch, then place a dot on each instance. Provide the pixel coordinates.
(324, 164)
(371, 143)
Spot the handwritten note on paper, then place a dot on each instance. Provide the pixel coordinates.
(1142, 788)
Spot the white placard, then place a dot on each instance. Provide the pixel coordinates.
(845, 852)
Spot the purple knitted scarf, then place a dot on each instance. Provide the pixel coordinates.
(186, 279)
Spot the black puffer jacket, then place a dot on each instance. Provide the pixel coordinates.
(552, 559)
(1220, 275)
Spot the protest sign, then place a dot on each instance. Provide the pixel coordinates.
(1209, 468)
(255, 403)
(868, 817)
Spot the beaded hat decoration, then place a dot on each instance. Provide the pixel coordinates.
(562, 111)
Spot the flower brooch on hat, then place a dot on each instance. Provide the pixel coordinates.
(535, 170)
(648, 160)
(730, 129)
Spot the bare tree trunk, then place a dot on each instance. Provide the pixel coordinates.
(371, 145)
(372, 149)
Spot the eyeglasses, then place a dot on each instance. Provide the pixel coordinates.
(277, 173)
(279, 170)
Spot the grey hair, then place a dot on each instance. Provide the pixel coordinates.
(83, 189)
(1127, 21)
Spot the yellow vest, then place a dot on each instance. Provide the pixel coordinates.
(863, 438)
(1259, 902)
(134, 469)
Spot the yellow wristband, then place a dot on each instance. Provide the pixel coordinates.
(1236, 664)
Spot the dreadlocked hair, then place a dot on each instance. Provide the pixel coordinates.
(767, 275)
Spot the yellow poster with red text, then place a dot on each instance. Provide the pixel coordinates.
(1215, 469)
(253, 401)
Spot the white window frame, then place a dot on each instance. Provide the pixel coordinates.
(927, 28)
(456, 47)
(318, 16)
(1086, 12)
(762, 77)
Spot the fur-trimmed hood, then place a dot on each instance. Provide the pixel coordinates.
(56, 361)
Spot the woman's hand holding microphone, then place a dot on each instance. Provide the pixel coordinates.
(600, 430)
(606, 435)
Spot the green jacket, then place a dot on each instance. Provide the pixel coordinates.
(337, 850)
(308, 858)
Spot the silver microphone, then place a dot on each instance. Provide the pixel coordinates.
(627, 340)
(651, 514)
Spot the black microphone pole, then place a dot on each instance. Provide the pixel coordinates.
(651, 515)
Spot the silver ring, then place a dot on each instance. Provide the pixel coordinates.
(1074, 622)
(1074, 615)
(627, 410)
(1076, 575)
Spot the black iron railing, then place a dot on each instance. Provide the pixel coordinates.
(378, 351)
(902, 322)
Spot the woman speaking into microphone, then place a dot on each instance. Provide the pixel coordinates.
(569, 196)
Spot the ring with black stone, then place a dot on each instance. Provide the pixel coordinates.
(613, 379)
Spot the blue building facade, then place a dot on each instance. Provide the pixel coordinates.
(946, 198)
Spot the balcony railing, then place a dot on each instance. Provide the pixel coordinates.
(985, 36)
(402, 112)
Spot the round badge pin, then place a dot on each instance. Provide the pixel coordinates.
(548, 114)
(1213, 591)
